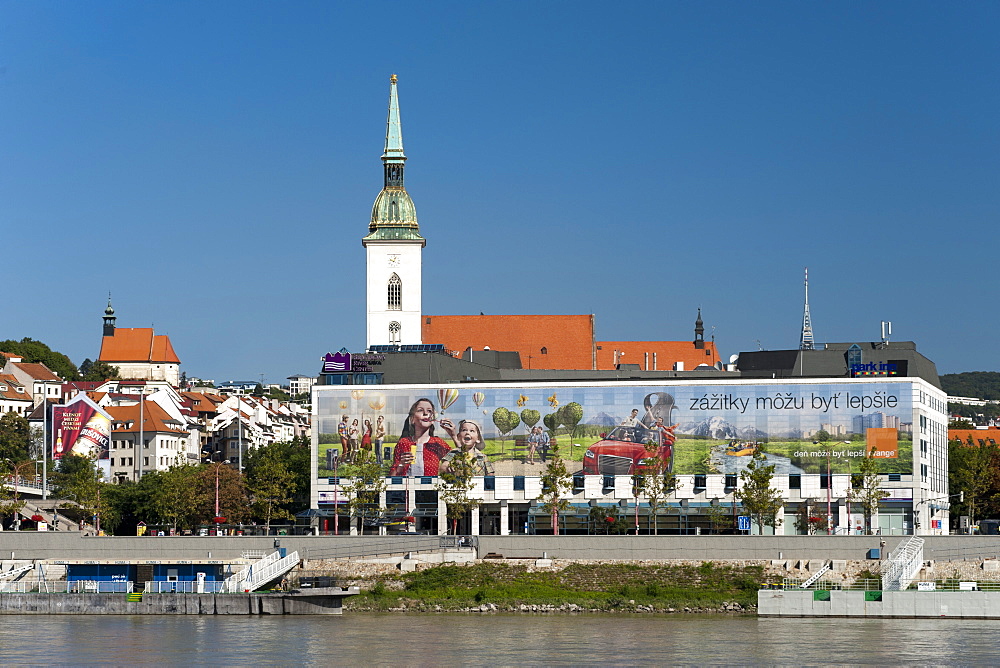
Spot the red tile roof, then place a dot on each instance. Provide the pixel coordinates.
(544, 341)
(990, 436)
(38, 371)
(11, 383)
(137, 344)
(655, 355)
(154, 419)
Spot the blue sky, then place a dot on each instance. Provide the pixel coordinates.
(213, 166)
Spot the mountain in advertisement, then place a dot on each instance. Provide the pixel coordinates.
(603, 420)
(718, 428)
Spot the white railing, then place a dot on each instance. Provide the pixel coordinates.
(254, 554)
(260, 572)
(904, 564)
(184, 587)
(16, 571)
(816, 576)
(98, 587)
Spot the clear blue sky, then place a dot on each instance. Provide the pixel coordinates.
(213, 165)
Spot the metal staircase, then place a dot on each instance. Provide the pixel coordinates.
(258, 573)
(16, 572)
(903, 565)
(816, 576)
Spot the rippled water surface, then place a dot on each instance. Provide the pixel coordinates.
(433, 640)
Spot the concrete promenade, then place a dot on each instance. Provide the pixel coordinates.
(907, 604)
(73, 546)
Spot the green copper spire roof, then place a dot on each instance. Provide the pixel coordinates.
(393, 129)
(394, 217)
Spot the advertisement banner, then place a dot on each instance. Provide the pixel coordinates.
(82, 428)
(608, 429)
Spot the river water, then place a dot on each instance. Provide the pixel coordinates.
(362, 639)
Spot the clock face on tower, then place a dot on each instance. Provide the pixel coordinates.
(393, 260)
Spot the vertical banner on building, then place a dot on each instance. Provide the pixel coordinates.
(82, 428)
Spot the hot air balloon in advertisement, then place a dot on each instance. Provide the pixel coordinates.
(357, 394)
(446, 398)
(376, 401)
(478, 398)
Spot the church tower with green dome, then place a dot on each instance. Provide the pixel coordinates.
(393, 247)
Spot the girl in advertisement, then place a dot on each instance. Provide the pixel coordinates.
(418, 451)
(469, 441)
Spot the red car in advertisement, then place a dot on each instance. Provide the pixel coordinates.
(621, 451)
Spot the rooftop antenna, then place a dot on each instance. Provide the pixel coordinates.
(806, 341)
(886, 332)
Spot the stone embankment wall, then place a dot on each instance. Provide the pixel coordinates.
(166, 604)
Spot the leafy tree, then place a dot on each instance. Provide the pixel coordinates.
(177, 495)
(15, 437)
(530, 417)
(865, 491)
(822, 436)
(761, 501)
(11, 502)
(973, 470)
(721, 517)
(364, 491)
(606, 521)
(960, 424)
(99, 372)
(297, 458)
(506, 421)
(77, 480)
(271, 485)
(37, 352)
(556, 484)
(570, 416)
(809, 521)
(258, 390)
(978, 384)
(455, 485)
(277, 394)
(654, 481)
(233, 502)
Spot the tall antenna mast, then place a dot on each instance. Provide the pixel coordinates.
(806, 342)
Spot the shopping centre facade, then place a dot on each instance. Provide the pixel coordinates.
(814, 430)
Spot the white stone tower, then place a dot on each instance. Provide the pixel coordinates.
(394, 248)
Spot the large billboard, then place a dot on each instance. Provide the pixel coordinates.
(607, 429)
(82, 428)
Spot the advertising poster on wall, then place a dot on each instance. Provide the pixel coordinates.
(82, 428)
(605, 429)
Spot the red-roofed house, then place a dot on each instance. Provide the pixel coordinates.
(165, 441)
(14, 397)
(138, 353)
(39, 378)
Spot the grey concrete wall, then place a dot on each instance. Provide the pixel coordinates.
(943, 548)
(936, 604)
(57, 545)
(168, 604)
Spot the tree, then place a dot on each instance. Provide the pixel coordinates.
(865, 491)
(454, 487)
(37, 352)
(569, 416)
(10, 502)
(15, 437)
(78, 480)
(233, 503)
(556, 483)
(271, 485)
(506, 421)
(973, 471)
(99, 371)
(177, 495)
(364, 491)
(761, 501)
(654, 481)
(296, 457)
(822, 436)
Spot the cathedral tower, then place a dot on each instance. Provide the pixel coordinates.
(393, 247)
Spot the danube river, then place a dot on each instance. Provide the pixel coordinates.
(451, 640)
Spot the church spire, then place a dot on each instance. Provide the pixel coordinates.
(109, 318)
(806, 341)
(699, 331)
(394, 217)
(393, 157)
